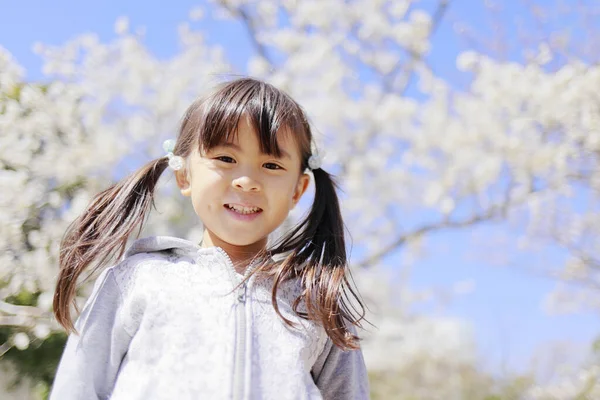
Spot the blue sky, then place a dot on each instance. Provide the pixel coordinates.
(505, 308)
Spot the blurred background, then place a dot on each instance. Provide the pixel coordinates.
(465, 136)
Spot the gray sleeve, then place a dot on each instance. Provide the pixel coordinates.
(90, 361)
(341, 375)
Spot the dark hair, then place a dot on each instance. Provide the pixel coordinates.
(313, 251)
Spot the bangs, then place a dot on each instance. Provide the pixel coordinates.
(270, 112)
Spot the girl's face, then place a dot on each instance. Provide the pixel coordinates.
(241, 194)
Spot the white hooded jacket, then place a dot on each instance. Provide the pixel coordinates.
(166, 323)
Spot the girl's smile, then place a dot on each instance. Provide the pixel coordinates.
(243, 213)
(243, 209)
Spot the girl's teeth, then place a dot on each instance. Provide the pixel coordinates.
(243, 210)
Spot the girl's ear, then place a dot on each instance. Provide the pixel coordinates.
(301, 187)
(183, 182)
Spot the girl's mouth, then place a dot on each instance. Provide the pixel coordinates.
(242, 210)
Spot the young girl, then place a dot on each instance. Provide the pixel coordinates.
(230, 317)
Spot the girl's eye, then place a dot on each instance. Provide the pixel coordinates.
(226, 159)
(272, 166)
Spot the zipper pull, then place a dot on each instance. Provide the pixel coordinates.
(242, 293)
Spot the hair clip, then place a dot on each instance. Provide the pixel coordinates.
(175, 162)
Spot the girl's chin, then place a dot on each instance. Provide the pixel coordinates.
(238, 238)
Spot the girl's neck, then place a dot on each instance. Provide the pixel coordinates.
(240, 255)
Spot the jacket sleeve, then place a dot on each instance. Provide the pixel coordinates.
(90, 361)
(341, 375)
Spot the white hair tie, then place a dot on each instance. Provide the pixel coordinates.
(175, 162)
(315, 161)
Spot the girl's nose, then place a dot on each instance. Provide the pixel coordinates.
(246, 184)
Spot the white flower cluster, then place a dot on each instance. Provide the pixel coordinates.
(583, 384)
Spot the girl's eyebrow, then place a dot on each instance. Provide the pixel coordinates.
(235, 146)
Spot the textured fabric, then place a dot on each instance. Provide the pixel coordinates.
(170, 322)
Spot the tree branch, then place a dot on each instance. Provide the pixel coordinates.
(414, 58)
(24, 322)
(4, 348)
(492, 212)
(13, 309)
(250, 26)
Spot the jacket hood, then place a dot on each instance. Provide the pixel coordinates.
(160, 243)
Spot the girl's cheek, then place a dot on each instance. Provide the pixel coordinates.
(281, 185)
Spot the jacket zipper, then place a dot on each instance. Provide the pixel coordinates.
(238, 378)
(240, 340)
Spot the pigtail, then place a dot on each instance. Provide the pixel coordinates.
(101, 232)
(317, 254)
